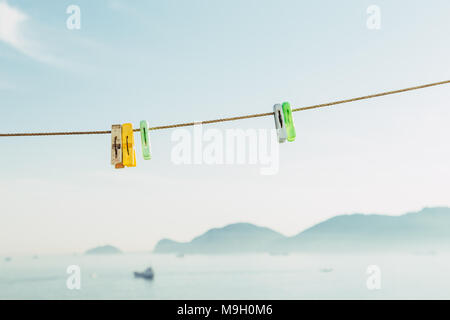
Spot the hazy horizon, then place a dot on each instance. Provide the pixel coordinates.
(83, 250)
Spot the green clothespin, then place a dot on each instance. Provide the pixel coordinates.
(289, 121)
(145, 140)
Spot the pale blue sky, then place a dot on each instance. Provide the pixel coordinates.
(176, 61)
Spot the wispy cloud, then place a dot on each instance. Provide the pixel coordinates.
(11, 21)
(53, 45)
(13, 25)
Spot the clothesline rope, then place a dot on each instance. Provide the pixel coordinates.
(187, 124)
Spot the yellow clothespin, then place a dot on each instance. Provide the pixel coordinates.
(128, 152)
(116, 146)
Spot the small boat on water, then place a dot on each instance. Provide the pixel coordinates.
(147, 274)
(8, 259)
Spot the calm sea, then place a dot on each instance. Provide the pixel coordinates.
(264, 276)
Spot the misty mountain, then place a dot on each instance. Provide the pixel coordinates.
(426, 230)
(238, 237)
(108, 249)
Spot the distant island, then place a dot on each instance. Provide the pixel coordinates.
(108, 249)
(424, 231)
